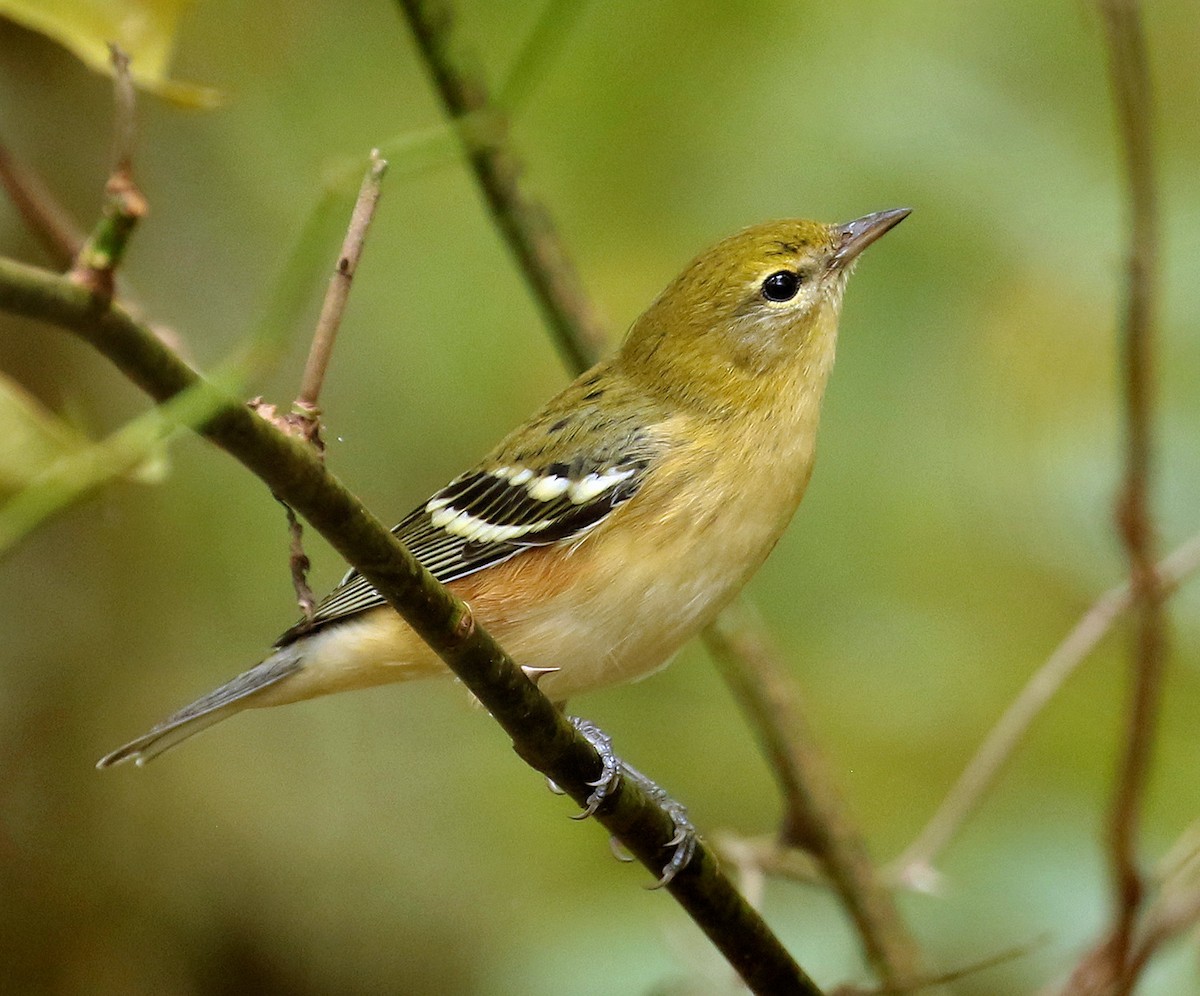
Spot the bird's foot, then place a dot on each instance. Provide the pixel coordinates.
(610, 775)
(684, 839)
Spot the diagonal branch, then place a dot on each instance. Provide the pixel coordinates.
(43, 215)
(816, 818)
(915, 867)
(540, 734)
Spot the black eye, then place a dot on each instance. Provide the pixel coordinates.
(781, 286)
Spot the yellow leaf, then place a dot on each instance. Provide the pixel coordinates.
(144, 29)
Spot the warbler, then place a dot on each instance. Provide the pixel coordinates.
(599, 536)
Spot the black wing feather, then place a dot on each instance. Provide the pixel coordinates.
(507, 515)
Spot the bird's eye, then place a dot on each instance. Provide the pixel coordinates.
(781, 286)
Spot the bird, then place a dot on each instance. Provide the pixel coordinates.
(596, 538)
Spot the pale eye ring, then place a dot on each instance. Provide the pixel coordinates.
(783, 285)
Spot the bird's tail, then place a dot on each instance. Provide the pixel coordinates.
(217, 705)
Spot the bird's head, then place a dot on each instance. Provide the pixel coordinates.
(761, 302)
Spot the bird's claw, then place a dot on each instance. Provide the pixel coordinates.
(610, 775)
(682, 843)
(684, 839)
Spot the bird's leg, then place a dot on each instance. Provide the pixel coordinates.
(614, 769)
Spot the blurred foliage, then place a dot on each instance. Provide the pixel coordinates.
(145, 30)
(33, 437)
(958, 522)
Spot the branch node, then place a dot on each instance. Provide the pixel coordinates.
(125, 205)
(464, 625)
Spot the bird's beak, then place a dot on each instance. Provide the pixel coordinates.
(856, 235)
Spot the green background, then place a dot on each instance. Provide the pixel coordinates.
(959, 520)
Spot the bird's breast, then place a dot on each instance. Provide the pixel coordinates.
(660, 567)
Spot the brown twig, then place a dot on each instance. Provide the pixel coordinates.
(124, 204)
(815, 817)
(1129, 77)
(304, 420)
(43, 215)
(306, 411)
(1176, 907)
(769, 856)
(943, 978)
(915, 867)
(524, 224)
(298, 562)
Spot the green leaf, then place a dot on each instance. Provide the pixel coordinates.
(144, 29)
(34, 439)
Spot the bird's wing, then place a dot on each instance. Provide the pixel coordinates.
(492, 513)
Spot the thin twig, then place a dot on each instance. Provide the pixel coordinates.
(541, 735)
(915, 867)
(306, 405)
(769, 856)
(816, 818)
(1176, 907)
(305, 417)
(523, 223)
(299, 563)
(945, 978)
(43, 215)
(124, 204)
(1129, 77)
(555, 21)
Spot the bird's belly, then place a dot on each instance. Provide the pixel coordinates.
(630, 619)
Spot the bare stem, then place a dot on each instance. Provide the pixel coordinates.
(526, 228)
(124, 204)
(915, 867)
(299, 563)
(816, 818)
(43, 215)
(334, 305)
(1129, 77)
